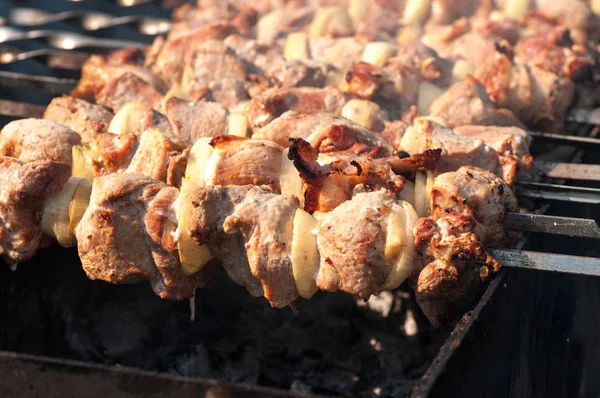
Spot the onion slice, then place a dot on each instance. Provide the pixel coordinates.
(402, 268)
(79, 203)
(55, 217)
(237, 124)
(200, 153)
(289, 178)
(128, 119)
(192, 256)
(305, 253)
(408, 192)
(83, 161)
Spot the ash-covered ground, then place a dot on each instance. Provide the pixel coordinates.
(336, 344)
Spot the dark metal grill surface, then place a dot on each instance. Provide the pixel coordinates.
(496, 349)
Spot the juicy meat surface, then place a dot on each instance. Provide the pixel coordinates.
(192, 120)
(37, 139)
(79, 115)
(458, 150)
(505, 140)
(249, 228)
(243, 161)
(128, 233)
(324, 131)
(160, 156)
(98, 70)
(24, 189)
(115, 152)
(126, 88)
(331, 180)
(352, 240)
(539, 98)
(274, 102)
(339, 52)
(168, 60)
(228, 92)
(296, 73)
(468, 207)
(210, 62)
(467, 103)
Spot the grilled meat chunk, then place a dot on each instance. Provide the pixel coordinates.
(168, 56)
(97, 71)
(24, 189)
(160, 156)
(37, 139)
(114, 152)
(210, 62)
(340, 52)
(192, 120)
(457, 150)
(249, 228)
(243, 161)
(505, 140)
(467, 103)
(297, 73)
(274, 102)
(80, 116)
(324, 131)
(126, 88)
(227, 92)
(553, 50)
(128, 233)
(352, 240)
(331, 180)
(539, 98)
(468, 207)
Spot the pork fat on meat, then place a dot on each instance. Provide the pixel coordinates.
(128, 233)
(468, 206)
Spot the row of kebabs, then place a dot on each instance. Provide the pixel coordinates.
(325, 195)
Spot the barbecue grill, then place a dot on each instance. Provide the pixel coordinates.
(530, 333)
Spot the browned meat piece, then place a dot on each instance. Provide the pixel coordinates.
(128, 233)
(272, 103)
(574, 14)
(249, 229)
(115, 152)
(468, 208)
(210, 62)
(352, 240)
(160, 156)
(192, 120)
(155, 119)
(326, 132)
(394, 131)
(467, 103)
(243, 161)
(228, 92)
(418, 56)
(80, 116)
(288, 74)
(331, 181)
(506, 140)
(37, 139)
(554, 51)
(126, 88)
(539, 98)
(258, 57)
(169, 61)
(339, 52)
(380, 22)
(24, 189)
(460, 41)
(98, 71)
(394, 86)
(457, 150)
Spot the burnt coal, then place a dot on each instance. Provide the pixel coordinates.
(335, 344)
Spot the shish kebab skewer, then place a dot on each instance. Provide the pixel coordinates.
(301, 264)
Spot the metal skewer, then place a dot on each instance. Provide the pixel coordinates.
(570, 140)
(567, 171)
(563, 193)
(574, 227)
(547, 261)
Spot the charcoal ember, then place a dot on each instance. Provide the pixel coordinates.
(331, 346)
